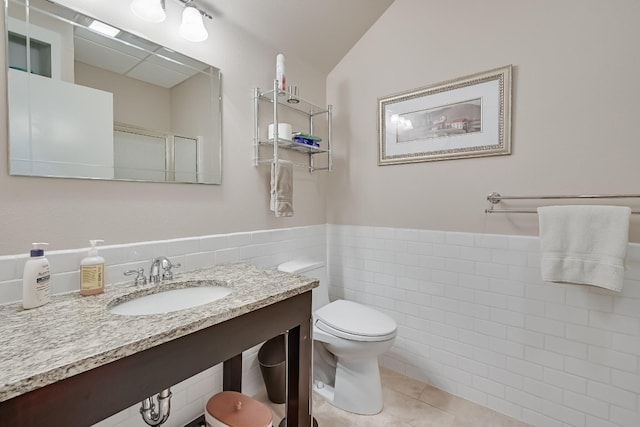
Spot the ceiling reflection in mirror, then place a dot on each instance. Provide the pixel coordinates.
(87, 100)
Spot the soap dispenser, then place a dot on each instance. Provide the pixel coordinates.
(35, 280)
(92, 271)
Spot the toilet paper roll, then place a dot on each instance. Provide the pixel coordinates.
(284, 131)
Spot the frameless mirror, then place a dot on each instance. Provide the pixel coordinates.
(87, 100)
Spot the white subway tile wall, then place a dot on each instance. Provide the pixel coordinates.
(265, 248)
(476, 320)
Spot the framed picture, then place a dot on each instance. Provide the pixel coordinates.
(465, 117)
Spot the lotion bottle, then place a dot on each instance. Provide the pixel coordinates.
(92, 271)
(35, 280)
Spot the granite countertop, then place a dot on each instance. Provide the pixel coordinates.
(73, 334)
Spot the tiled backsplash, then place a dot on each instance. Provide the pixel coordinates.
(476, 320)
(265, 248)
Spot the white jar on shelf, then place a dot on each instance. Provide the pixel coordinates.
(284, 131)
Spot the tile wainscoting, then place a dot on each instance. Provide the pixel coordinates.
(476, 320)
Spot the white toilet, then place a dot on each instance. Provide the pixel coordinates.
(348, 337)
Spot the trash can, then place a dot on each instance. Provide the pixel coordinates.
(271, 358)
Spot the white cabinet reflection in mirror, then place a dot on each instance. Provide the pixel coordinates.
(49, 123)
(106, 107)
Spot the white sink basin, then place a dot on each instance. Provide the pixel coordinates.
(170, 300)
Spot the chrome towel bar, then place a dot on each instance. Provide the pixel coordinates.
(495, 198)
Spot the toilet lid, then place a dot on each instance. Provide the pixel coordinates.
(350, 320)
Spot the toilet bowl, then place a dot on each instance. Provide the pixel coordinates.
(348, 337)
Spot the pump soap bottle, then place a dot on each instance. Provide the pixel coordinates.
(35, 280)
(92, 271)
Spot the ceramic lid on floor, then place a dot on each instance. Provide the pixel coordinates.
(230, 408)
(357, 321)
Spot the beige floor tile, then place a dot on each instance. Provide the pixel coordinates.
(467, 414)
(334, 416)
(413, 411)
(407, 403)
(332, 420)
(398, 382)
(497, 420)
(328, 415)
(379, 420)
(441, 399)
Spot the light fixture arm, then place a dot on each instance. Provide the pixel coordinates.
(191, 3)
(192, 27)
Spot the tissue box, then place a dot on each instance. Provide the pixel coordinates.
(306, 141)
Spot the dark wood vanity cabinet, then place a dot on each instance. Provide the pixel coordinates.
(91, 396)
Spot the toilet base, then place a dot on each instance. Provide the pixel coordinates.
(358, 388)
(324, 390)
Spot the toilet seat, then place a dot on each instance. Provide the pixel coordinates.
(353, 321)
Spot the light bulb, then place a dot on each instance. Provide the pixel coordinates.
(192, 27)
(149, 10)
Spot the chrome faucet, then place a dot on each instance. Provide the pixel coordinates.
(161, 262)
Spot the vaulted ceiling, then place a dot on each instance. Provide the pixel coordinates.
(320, 32)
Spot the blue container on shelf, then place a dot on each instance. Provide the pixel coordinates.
(307, 139)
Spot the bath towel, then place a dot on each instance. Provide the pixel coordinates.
(584, 244)
(282, 188)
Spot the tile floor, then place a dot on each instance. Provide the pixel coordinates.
(408, 403)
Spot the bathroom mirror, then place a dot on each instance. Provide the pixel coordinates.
(87, 100)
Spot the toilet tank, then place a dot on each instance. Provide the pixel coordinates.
(314, 269)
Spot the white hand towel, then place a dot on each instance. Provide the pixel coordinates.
(584, 244)
(282, 188)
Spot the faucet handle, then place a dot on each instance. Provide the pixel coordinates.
(167, 273)
(139, 279)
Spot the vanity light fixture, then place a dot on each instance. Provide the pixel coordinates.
(192, 27)
(149, 10)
